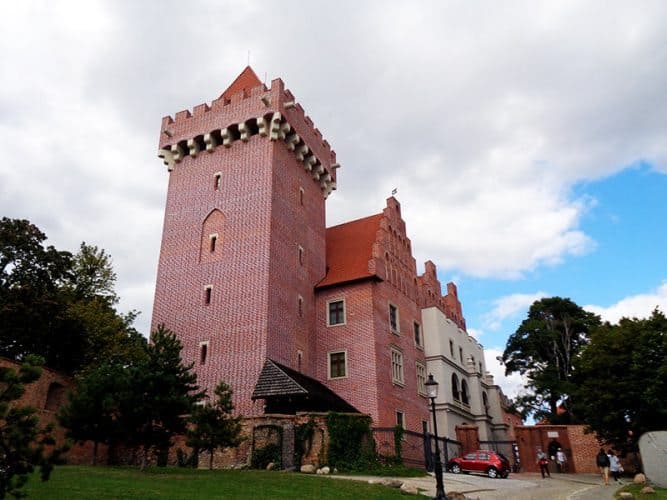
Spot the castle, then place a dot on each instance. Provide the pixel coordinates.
(293, 315)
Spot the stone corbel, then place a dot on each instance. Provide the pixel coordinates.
(244, 129)
(167, 157)
(325, 179)
(275, 126)
(226, 137)
(285, 129)
(177, 152)
(211, 142)
(309, 161)
(193, 147)
(301, 152)
(292, 140)
(263, 125)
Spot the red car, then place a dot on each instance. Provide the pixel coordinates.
(487, 462)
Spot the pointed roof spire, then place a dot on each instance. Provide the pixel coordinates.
(243, 83)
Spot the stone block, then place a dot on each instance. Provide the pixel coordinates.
(653, 449)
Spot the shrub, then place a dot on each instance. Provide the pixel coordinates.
(351, 443)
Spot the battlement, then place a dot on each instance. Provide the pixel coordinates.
(269, 112)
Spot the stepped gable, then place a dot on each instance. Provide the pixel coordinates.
(246, 81)
(349, 250)
(430, 295)
(246, 109)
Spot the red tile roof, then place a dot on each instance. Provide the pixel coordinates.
(243, 83)
(349, 248)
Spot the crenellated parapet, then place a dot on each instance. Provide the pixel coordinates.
(270, 113)
(430, 295)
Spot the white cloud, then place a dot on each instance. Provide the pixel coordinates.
(513, 384)
(475, 333)
(634, 306)
(510, 306)
(483, 115)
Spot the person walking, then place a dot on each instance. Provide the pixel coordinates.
(543, 462)
(615, 466)
(602, 461)
(560, 460)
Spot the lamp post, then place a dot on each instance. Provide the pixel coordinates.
(432, 392)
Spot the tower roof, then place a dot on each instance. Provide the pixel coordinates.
(243, 83)
(349, 248)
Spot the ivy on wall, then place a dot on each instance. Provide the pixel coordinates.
(351, 443)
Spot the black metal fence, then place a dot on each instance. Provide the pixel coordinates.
(412, 445)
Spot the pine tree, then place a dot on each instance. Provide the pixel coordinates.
(213, 426)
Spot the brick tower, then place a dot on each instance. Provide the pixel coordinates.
(243, 243)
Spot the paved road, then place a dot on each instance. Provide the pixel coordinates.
(523, 486)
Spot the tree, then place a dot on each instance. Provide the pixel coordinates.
(213, 426)
(57, 305)
(164, 392)
(22, 442)
(621, 380)
(543, 349)
(93, 410)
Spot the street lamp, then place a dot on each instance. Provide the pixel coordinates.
(432, 392)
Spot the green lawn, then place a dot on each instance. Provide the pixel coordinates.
(98, 483)
(660, 493)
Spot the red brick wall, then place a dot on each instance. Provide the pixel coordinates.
(255, 275)
(580, 448)
(37, 395)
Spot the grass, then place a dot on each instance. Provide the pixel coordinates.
(99, 483)
(660, 493)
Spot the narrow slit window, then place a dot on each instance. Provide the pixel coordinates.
(301, 196)
(300, 302)
(214, 240)
(208, 291)
(203, 353)
(217, 180)
(300, 255)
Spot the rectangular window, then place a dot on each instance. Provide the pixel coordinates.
(300, 306)
(400, 419)
(480, 367)
(336, 312)
(337, 364)
(396, 366)
(217, 180)
(461, 354)
(301, 196)
(208, 291)
(393, 318)
(203, 352)
(300, 255)
(451, 348)
(214, 239)
(418, 334)
(421, 379)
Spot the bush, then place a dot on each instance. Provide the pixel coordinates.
(351, 443)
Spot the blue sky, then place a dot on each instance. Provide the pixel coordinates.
(527, 141)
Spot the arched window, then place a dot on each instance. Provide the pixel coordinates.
(464, 393)
(55, 397)
(455, 387)
(212, 236)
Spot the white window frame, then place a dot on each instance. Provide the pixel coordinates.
(397, 367)
(402, 422)
(347, 372)
(329, 302)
